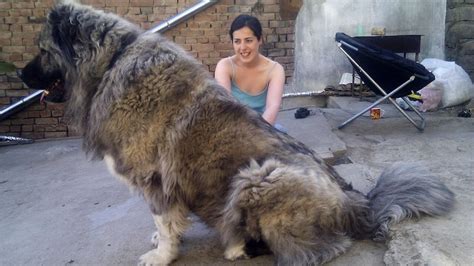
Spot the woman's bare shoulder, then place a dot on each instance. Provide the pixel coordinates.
(276, 69)
(225, 62)
(224, 65)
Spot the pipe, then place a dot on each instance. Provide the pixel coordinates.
(305, 93)
(173, 21)
(9, 110)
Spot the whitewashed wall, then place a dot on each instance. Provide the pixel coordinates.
(318, 61)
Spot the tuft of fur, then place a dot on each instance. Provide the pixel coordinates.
(170, 132)
(407, 190)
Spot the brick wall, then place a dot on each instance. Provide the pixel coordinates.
(460, 34)
(205, 36)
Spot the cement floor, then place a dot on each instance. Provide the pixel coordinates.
(57, 208)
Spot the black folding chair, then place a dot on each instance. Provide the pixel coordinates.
(386, 74)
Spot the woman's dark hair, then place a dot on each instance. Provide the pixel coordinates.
(246, 21)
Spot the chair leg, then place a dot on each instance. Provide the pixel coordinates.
(387, 96)
(421, 125)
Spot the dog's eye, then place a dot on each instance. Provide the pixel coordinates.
(43, 51)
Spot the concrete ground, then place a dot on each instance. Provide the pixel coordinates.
(57, 208)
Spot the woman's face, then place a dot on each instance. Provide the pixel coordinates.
(246, 44)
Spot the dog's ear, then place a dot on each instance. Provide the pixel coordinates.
(64, 28)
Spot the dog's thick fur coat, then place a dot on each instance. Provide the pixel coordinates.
(167, 129)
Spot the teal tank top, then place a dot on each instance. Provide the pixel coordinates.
(256, 102)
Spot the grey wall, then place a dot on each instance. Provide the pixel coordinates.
(318, 61)
(460, 34)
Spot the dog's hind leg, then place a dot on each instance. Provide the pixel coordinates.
(235, 250)
(233, 240)
(232, 233)
(170, 226)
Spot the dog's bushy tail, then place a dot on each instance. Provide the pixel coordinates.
(404, 191)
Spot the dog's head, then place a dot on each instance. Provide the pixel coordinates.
(44, 73)
(77, 45)
(47, 71)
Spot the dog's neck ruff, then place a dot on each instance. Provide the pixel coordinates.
(125, 41)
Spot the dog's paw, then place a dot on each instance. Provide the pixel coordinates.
(155, 239)
(154, 258)
(235, 253)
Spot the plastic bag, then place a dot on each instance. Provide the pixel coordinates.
(405, 106)
(454, 82)
(431, 96)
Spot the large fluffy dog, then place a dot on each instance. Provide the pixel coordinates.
(165, 127)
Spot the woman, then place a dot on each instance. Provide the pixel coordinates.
(250, 77)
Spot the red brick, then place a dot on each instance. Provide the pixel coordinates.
(37, 107)
(60, 134)
(95, 3)
(16, 20)
(284, 45)
(4, 129)
(45, 113)
(284, 59)
(27, 121)
(5, 6)
(15, 129)
(146, 10)
(57, 113)
(271, 8)
(141, 3)
(246, 2)
(191, 40)
(33, 114)
(33, 135)
(166, 2)
(116, 3)
(5, 122)
(22, 5)
(46, 121)
(4, 101)
(27, 128)
(16, 93)
(276, 52)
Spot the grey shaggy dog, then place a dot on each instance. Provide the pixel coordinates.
(168, 130)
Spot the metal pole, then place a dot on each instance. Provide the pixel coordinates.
(173, 21)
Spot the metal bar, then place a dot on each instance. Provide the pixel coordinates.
(363, 71)
(17, 106)
(421, 127)
(305, 93)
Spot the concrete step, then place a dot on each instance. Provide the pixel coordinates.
(315, 132)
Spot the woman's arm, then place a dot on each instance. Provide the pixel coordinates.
(223, 74)
(275, 92)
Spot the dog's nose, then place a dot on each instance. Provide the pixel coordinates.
(19, 73)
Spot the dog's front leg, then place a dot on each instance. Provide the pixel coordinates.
(170, 226)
